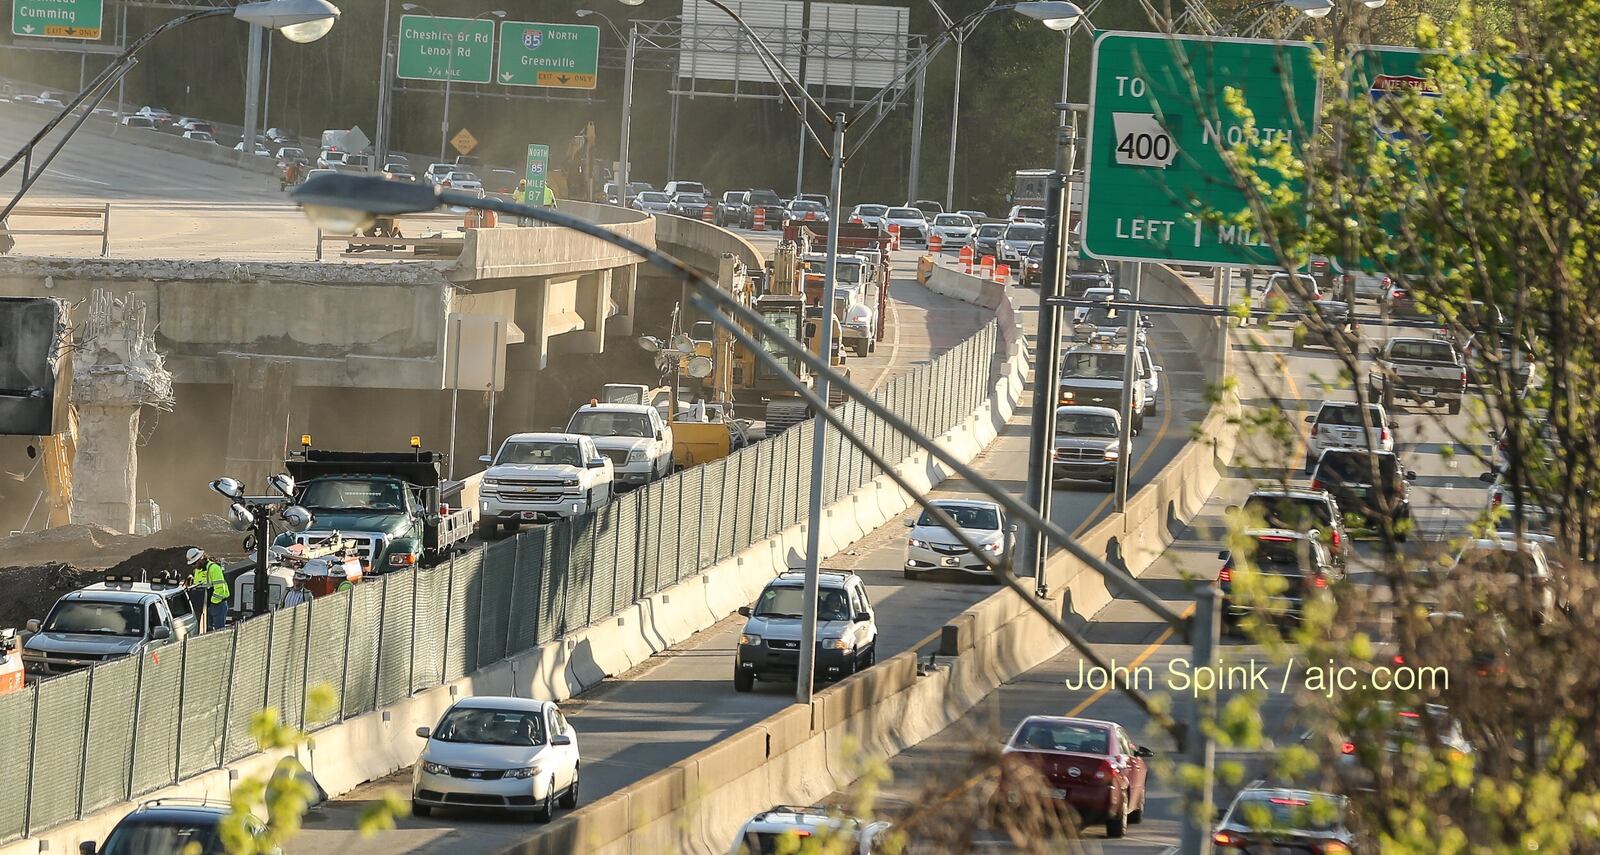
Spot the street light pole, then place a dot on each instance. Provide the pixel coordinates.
(1130, 376)
(252, 89)
(1046, 369)
(808, 626)
(955, 127)
(627, 115)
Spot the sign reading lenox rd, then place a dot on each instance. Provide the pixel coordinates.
(1154, 168)
(563, 56)
(57, 19)
(455, 49)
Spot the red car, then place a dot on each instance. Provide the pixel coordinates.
(1090, 765)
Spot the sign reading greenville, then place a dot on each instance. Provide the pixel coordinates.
(1158, 119)
(57, 19)
(456, 49)
(563, 56)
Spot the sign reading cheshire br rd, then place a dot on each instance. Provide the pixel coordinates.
(455, 49)
(57, 19)
(562, 56)
(1154, 169)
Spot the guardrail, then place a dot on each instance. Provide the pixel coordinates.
(87, 741)
(79, 212)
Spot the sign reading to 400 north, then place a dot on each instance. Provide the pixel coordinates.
(563, 56)
(1155, 170)
(57, 19)
(455, 49)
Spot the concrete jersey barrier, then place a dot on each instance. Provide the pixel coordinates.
(803, 754)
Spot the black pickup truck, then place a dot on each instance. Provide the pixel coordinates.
(1425, 370)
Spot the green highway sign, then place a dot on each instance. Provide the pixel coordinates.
(1154, 168)
(455, 49)
(564, 56)
(537, 171)
(56, 19)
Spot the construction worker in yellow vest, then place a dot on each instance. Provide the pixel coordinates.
(208, 577)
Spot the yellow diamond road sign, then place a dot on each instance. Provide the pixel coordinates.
(464, 142)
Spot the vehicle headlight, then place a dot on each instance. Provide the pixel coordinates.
(402, 560)
(1067, 395)
(836, 644)
(1113, 454)
(920, 544)
(570, 482)
(491, 482)
(749, 638)
(636, 455)
(527, 772)
(433, 768)
(32, 654)
(992, 548)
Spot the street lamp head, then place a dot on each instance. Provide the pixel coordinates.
(631, 2)
(1310, 8)
(1055, 14)
(498, 13)
(299, 20)
(584, 13)
(282, 483)
(1373, 4)
(240, 517)
(228, 488)
(410, 7)
(345, 204)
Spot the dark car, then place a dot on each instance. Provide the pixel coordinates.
(501, 181)
(688, 204)
(1032, 265)
(927, 206)
(1088, 765)
(169, 827)
(1308, 511)
(1079, 284)
(1301, 563)
(986, 240)
(730, 209)
(1347, 474)
(1331, 328)
(1278, 820)
(770, 205)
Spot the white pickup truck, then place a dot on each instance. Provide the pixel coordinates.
(539, 477)
(634, 437)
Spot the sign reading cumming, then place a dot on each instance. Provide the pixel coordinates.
(562, 56)
(57, 19)
(1158, 116)
(455, 49)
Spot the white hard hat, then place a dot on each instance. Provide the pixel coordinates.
(194, 554)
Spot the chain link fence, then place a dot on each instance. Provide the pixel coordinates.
(124, 728)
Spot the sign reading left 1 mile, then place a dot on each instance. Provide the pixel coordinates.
(57, 19)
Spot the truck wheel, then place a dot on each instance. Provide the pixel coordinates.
(1455, 406)
(743, 681)
(487, 529)
(872, 345)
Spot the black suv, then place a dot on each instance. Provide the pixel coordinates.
(730, 209)
(770, 205)
(1307, 511)
(1032, 266)
(169, 827)
(1347, 474)
(1299, 559)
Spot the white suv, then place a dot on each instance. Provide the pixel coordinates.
(634, 437)
(538, 477)
(1340, 424)
(761, 833)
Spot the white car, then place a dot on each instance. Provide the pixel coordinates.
(634, 437)
(291, 152)
(932, 547)
(514, 754)
(199, 136)
(1519, 562)
(538, 477)
(1150, 375)
(761, 833)
(1340, 424)
(954, 230)
(261, 150)
(1026, 214)
(437, 171)
(868, 215)
(912, 222)
(461, 180)
(1017, 239)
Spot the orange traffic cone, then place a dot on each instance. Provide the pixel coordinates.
(966, 258)
(705, 213)
(761, 219)
(894, 236)
(935, 244)
(1002, 274)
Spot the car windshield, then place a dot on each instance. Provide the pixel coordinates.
(96, 618)
(1349, 416)
(1354, 467)
(1280, 281)
(353, 494)
(1025, 231)
(804, 205)
(292, 152)
(764, 197)
(781, 601)
(1535, 520)
(1031, 213)
(653, 197)
(990, 230)
(951, 220)
(638, 186)
(871, 210)
(691, 198)
(1036, 252)
(904, 214)
(1289, 512)
(1062, 736)
(1092, 363)
(540, 453)
(1102, 316)
(143, 836)
(1085, 424)
(1421, 350)
(479, 726)
(1264, 811)
(454, 176)
(610, 424)
(965, 516)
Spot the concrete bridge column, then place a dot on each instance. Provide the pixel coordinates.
(106, 468)
(592, 302)
(624, 282)
(258, 419)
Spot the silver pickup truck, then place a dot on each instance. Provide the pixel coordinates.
(1425, 370)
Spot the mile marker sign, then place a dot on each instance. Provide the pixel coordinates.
(1157, 116)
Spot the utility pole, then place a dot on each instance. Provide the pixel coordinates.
(1046, 372)
(919, 100)
(623, 176)
(1130, 376)
(1198, 751)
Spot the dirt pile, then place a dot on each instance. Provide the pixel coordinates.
(43, 565)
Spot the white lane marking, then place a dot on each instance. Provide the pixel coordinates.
(894, 341)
